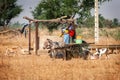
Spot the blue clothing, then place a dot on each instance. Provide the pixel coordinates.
(66, 38)
(65, 34)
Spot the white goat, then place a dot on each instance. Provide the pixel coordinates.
(101, 51)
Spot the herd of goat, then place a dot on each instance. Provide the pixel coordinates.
(61, 50)
(58, 50)
(65, 51)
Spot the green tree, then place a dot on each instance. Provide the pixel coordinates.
(115, 22)
(49, 9)
(8, 10)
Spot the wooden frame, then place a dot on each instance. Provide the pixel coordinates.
(58, 20)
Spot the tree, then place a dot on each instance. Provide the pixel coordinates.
(115, 22)
(8, 10)
(49, 9)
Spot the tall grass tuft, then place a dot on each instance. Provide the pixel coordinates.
(116, 35)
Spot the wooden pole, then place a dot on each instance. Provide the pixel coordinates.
(36, 38)
(96, 23)
(51, 20)
(29, 37)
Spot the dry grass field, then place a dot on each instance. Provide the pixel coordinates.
(42, 67)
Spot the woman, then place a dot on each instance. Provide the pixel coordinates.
(72, 32)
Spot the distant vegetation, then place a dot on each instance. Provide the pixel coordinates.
(8, 10)
(89, 22)
(50, 9)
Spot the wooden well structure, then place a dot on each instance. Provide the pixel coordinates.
(36, 22)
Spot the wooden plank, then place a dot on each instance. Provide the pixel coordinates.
(105, 46)
(89, 45)
(51, 20)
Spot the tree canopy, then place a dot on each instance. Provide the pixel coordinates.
(49, 9)
(8, 10)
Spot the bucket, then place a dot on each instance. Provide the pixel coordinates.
(78, 41)
(79, 37)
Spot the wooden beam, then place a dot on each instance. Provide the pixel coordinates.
(51, 20)
(105, 46)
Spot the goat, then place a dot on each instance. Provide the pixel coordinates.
(100, 52)
(14, 51)
(53, 51)
(48, 44)
(11, 51)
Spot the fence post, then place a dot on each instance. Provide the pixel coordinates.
(29, 37)
(36, 38)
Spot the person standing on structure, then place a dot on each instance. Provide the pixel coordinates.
(65, 34)
(72, 32)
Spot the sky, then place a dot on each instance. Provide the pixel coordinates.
(27, 6)
(109, 10)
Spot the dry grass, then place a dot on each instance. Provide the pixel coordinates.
(33, 67)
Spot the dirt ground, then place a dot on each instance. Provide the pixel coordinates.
(42, 67)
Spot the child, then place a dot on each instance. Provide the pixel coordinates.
(65, 34)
